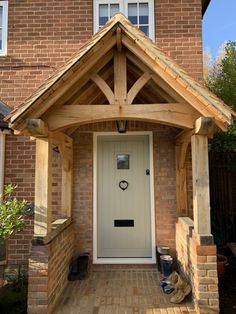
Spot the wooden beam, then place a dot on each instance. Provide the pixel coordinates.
(104, 87)
(184, 137)
(159, 82)
(201, 194)
(138, 85)
(172, 114)
(43, 187)
(79, 88)
(118, 39)
(205, 126)
(67, 179)
(134, 70)
(182, 155)
(50, 98)
(188, 96)
(37, 128)
(181, 179)
(120, 77)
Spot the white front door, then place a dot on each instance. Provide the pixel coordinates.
(123, 187)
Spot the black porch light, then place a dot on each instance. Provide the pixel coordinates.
(121, 126)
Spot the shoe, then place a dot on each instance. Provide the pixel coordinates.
(168, 289)
(171, 279)
(181, 293)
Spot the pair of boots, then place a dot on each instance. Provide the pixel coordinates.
(181, 287)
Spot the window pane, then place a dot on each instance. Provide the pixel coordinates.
(0, 16)
(144, 29)
(143, 13)
(0, 39)
(103, 14)
(132, 13)
(114, 8)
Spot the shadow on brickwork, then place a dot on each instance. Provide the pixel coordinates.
(227, 284)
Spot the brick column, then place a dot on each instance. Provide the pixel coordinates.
(197, 260)
(49, 262)
(204, 275)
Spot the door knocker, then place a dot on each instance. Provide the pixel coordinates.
(123, 185)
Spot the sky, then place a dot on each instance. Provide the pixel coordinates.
(219, 24)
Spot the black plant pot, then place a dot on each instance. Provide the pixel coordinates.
(83, 263)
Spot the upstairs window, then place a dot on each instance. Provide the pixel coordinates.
(140, 13)
(3, 27)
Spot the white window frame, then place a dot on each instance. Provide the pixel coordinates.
(4, 5)
(124, 9)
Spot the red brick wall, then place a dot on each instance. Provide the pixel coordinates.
(19, 170)
(43, 34)
(20, 165)
(164, 176)
(179, 32)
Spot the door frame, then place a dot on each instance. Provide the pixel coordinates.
(129, 260)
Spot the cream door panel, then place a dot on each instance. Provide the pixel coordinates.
(124, 215)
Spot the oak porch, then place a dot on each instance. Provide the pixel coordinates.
(119, 75)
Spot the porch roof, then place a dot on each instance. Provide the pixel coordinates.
(206, 103)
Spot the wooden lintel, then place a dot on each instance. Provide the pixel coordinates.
(104, 87)
(205, 126)
(37, 128)
(118, 39)
(138, 85)
(171, 114)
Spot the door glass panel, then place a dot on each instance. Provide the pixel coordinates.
(103, 14)
(114, 8)
(122, 161)
(133, 13)
(143, 13)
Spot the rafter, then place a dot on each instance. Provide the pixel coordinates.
(50, 99)
(175, 114)
(170, 80)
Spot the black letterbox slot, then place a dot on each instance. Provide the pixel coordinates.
(124, 223)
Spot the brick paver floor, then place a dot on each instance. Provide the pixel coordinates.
(119, 291)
